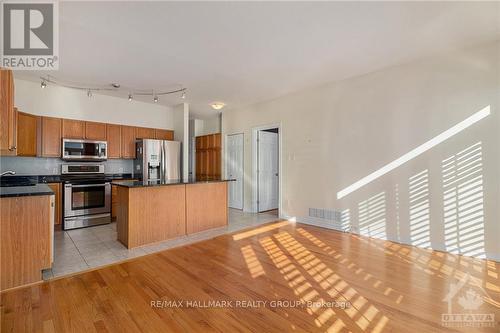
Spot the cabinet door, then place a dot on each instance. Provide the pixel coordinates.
(145, 133)
(51, 137)
(7, 114)
(216, 141)
(27, 129)
(95, 131)
(73, 129)
(161, 134)
(114, 138)
(56, 187)
(128, 141)
(198, 143)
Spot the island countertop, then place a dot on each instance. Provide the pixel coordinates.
(165, 182)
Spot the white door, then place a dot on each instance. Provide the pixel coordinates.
(267, 171)
(234, 169)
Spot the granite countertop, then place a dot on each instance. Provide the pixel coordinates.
(23, 191)
(165, 182)
(42, 179)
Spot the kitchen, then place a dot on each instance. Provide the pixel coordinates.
(73, 172)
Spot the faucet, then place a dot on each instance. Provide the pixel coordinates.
(9, 172)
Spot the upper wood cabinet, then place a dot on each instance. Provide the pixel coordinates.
(73, 129)
(51, 137)
(145, 133)
(128, 141)
(7, 114)
(161, 134)
(28, 129)
(114, 138)
(95, 131)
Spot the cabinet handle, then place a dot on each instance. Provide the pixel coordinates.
(12, 148)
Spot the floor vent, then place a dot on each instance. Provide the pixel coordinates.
(326, 217)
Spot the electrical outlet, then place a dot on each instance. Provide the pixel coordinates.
(120, 170)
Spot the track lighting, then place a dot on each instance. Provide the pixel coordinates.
(89, 93)
(43, 84)
(183, 96)
(155, 99)
(130, 97)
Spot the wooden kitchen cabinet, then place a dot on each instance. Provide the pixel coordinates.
(144, 133)
(56, 187)
(161, 134)
(208, 157)
(51, 137)
(73, 129)
(26, 242)
(128, 141)
(28, 128)
(114, 139)
(7, 114)
(95, 131)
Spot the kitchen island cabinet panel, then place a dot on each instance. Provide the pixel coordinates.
(148, 215)
(206, 206)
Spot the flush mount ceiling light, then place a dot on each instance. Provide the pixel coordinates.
(113, 87)
(217, 105)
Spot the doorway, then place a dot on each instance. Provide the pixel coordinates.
(268, 170)
(234, 169)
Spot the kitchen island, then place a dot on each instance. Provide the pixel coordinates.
(154, 211)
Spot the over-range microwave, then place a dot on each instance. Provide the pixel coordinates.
(84, 150)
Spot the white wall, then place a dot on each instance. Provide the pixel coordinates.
(181, 123)
(335, 134)
(63, 102)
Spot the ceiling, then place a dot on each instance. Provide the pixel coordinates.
(242, 53)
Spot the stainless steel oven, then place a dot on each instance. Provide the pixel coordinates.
(84, 150)
(87, 196)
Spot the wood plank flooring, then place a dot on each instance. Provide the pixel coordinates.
(390, 288)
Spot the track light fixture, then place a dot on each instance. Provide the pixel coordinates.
(113, 87)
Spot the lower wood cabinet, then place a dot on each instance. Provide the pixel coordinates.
(25, 240)
(57, 188)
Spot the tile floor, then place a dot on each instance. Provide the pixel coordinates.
(81, 249)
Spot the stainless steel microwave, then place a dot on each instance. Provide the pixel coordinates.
(84, 150)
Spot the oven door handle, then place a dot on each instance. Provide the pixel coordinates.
(88, 185)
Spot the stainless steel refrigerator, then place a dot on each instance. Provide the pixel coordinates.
(157, 160)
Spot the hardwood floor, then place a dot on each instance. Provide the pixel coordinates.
(391, 288)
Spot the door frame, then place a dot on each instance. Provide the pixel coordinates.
(242, 166)
(255, 176)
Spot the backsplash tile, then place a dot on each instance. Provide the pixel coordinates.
(52, 166)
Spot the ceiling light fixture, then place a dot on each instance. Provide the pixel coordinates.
(217, 105)
(112, 87)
